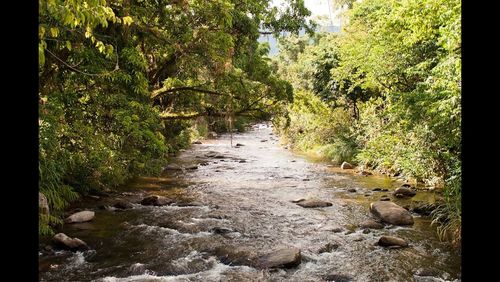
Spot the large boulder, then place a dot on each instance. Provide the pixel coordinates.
(314, 204)
(156, 200)
(391, 213)
(346, 165)
(65, 242)
(82, 216)
(281, 258)
(391, 241)
(43, 204)
(402, 192)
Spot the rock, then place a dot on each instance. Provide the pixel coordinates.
(43, 204)
(239, 145)
(328, 248)
(338, 278)
(370, 223)
(221, 230)
(385, 199)
(306, 179)
(212, 134)
(406, 185)
(197, 142)
(366, 231)
(172, 167)
(298, 200)
(263, 140)
(106, 207)
(313, 204)
(402, 192)
(377, 189)
(281, 258)
(351, 190)
(365, 173)
(82, 216)
(424, 209)
(123, 205)
(391, 213)
(242, 161)
(63, 241)
(136, 269)
(235, 255)
(156, 200)
(384, 190)
(346, 165)
(192, 167)
(390, 241)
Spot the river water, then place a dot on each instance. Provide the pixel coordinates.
(238, 201)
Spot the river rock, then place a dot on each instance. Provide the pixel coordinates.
(372, 224)
(43, 204)
(156, 200)
(423, 208)
(328, 248)
(391, 213)
(212, 134)
(365, 173)
(197, 143)
(346, 165)
(314, 204)
(390, 241)
(122, 204)
(351, 190)
(281, 258)
(402, 192)
(82, 216)
(63, 241)
(239, 145)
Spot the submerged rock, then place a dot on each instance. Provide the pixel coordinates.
(314, 204)
(74, 244)
(122, 204)
(372, 224)
(281, 258)
(346, 165)
(82, 216)
(391, 213)
(391, 241)
(156, 200)
(402, 192)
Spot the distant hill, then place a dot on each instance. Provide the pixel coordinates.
(273, 43)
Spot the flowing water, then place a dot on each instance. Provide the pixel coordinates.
(238, 201)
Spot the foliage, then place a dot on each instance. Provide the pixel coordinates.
(120, 83)
(396, 70)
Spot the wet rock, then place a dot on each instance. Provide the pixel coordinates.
(232, 255)
(358, 238)
(239, 145)
(107, 208)
(189, 204)
(125, 225)
(328, 248)
(391, 213)
(136, 269)
(338, 278)
(402, 192)
(82, 216)
(212, 134)
(406, 185)
(197, 143)
(377, 189)
(264, 140)
(192, 167)
(221, 230)
(172, 167)
(43, 204)
(204, 163)
(365, 173)
(385, 198)
(314, 204)
(242, 161)
(366, 231)
(156, 200)
(219, 157)
(351, 190)
(65, 242)
(424, 208)
(123, 205)
(281, 258)
(391, 241)
(346, 165)
(372, 224)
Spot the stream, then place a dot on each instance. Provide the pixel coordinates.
(233, 201)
